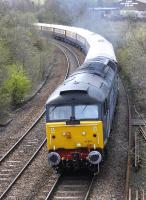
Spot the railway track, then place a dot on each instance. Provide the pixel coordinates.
(139, 126)
(142, 126)
(67, 188)
(143, 132)
(72, 187)
(134, 153)
(58, 192)
(69, 70)
(72, 68)
(69, 192)
(28, 113)
(137, 194)
(14, 162)
(137, 159)
(128, 170)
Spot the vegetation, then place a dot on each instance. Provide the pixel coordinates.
(45, 13)
(25, 58)
(17, 84)
(132, 59)
(25, 55)
(62, 11)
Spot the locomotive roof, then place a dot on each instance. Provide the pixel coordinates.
(89, 83)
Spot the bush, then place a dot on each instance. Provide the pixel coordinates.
(17, 85)
(4, 103)
(132, 59)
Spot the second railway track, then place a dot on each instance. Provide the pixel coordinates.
(18, 158)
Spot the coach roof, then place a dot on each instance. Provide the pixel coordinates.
(99, 46)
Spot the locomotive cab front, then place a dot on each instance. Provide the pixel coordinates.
(74, 135)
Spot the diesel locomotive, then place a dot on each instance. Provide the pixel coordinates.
(79, 113)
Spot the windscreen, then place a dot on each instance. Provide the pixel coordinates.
(73, 112)
(86, 112)
(60, 112)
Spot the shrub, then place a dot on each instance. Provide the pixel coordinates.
(4, 103)
(17, 85)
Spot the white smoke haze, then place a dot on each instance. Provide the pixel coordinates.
(14, 2)
(86, 18)
(81, 16)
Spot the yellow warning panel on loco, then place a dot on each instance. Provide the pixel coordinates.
(87, 134)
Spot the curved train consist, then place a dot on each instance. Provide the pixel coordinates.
(80, 111)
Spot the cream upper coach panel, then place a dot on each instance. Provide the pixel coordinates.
(98, 46)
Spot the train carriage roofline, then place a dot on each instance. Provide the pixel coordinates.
(98, 45)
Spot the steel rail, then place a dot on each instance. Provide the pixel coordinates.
(136, 153)
(65, 46)
(137, 160)
(22, 170)
(90, 187)
(22, 137)
(140, 115)
(49, 195)
(40, 116)
(138, 194)
(143, 132)
(128, 170)
(58, 182)
(40, 147)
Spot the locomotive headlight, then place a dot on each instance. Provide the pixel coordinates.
(78, 144)
(84, 133)
(54, 158)
(94, 157)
